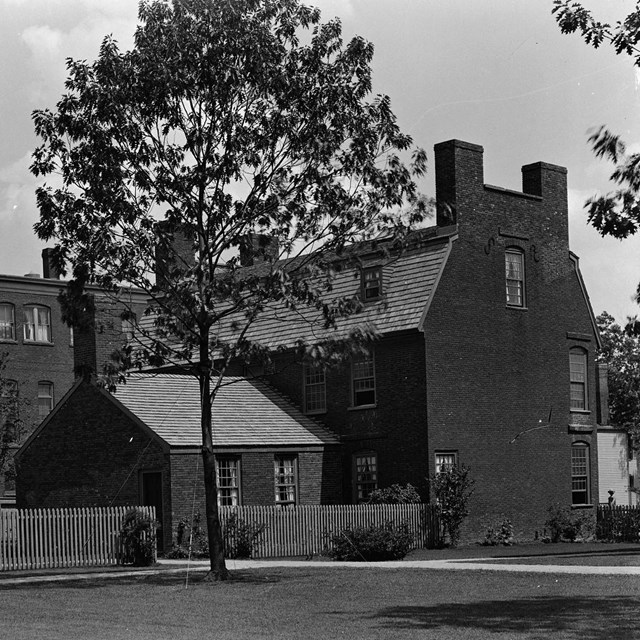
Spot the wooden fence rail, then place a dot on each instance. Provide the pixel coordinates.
(306, 530)
(56, 538)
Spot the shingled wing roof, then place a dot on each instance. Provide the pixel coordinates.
(245, 413)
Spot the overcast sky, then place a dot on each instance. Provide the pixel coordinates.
(493, 72)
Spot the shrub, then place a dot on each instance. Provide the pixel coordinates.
(371, 544)
(567, 525)
(138, 537)
(501, 535)
(191, 539)
(452, 488)
(395, 494)
(241, 539)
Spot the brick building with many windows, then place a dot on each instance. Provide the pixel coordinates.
(485, 357)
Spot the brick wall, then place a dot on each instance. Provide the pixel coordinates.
(495, 371)
(89, 454)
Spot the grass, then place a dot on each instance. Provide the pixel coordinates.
(323, 602)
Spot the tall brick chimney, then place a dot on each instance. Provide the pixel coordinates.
(258, 247)
(459, 173)
(49, 269)
(174, 251)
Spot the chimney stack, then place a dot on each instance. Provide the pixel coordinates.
(49, 269)
(256, 248)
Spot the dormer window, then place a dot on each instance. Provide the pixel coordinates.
(371, 284)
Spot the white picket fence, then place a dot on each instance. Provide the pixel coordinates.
(306, 530)
(56, 538)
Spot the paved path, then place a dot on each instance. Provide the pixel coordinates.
(183, 566)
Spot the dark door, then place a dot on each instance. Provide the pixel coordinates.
(152, 497)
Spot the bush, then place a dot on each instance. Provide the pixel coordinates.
(191, 539)
(371, 544)
(138, 537)
(452, 488)
(395, 494)
(568, 526)
(240, 538)
(501, 535)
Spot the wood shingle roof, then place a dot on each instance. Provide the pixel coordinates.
(245, 413)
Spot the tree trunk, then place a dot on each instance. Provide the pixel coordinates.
(218, 569)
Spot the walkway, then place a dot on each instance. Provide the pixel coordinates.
(200, 566)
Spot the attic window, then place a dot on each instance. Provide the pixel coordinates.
(371, 283)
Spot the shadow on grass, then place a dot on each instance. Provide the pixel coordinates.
(574, 617)
(161, 579)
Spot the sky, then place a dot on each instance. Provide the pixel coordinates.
(492, 72)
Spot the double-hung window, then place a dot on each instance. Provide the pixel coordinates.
(315, 393)
(445, 460)
(7, 321)
(514, 272)
(45, 398)
(366, 475)
(37, 324)
(228, 477)
(371, 284)
(580, 473)
(363, 381)
(9, 410)
(578, 379)
(286, 483)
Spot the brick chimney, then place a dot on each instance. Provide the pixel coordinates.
(258, 247)
(174, 251)
(459, 173)
(49, 269)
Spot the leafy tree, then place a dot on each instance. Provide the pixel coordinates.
(616, 213)
(453, 488)
(621, 352)
(227, 121)
(11, 423)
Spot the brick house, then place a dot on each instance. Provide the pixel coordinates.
(485, 355)
(42, 351)
(143, 445)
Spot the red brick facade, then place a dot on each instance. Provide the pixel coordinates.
(481, 376)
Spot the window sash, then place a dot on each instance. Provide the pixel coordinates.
(578, 380)
(366, 471)
(514, 273)
(372, 283)
(7, 322)
(228, 476)
(315, 390)
(285, 480)
(45, 398)
(445, 460)
(363, 381)
(37, 324)
(580, 474)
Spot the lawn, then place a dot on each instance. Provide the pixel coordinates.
(323, 602)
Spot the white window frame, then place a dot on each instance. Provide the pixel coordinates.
(228, 482)
(363, 380)
(315, 389)
(578, 379)
(285, 468)
(365, 475)
(580, 473)
(37, 324)
(515, 277)
(45, 398)
(7, 321)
